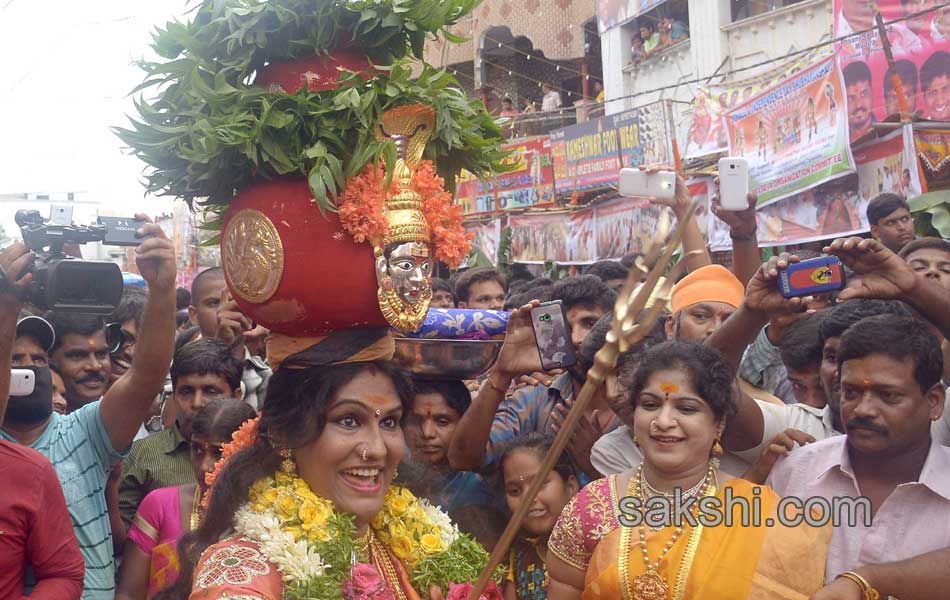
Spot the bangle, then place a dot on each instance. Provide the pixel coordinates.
(868, 592)
(491, 383)
(742, 238)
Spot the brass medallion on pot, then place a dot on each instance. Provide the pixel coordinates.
(252, 256)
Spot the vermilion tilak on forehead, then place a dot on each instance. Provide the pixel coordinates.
(376, 400)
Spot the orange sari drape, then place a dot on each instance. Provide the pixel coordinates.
(730, 563)
(235, 568)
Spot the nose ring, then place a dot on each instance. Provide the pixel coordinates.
(365, 450)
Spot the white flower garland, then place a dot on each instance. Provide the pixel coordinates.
(449, 531)
(296, 559)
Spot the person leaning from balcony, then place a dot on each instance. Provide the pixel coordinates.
(551, 100)
(676, 29)
(637, 53)
(508, 108)
(650, 37)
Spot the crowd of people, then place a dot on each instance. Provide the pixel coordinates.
(735, 392)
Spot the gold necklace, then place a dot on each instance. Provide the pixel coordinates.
(384, 566)
(647, 491)
(361, 546)
(195, 520)
(649, 585)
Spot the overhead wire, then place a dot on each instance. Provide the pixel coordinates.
(783, 58)
(725, 74)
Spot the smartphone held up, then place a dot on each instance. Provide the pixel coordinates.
(733, 183)
(552, 335)
(810, 277)
(635, 183)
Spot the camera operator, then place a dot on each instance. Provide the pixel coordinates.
(85, 444)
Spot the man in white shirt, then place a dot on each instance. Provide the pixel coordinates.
(891, 394)
(551, 100)
(755, 424)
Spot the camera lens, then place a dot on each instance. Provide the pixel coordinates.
(732, 166)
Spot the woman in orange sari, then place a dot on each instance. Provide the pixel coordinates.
(617, 538)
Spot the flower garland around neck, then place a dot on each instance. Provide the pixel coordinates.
(312, 545)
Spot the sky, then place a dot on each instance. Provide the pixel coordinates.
(65, 76)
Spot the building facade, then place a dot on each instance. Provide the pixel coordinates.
(726, 40)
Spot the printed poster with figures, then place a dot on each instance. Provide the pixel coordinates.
(537, 238)
(486, 238)
(716, 233)
(830, 211)
(888, 164)
(921, 49)
(707, 134)
(794, 135)
(645, 134)
(581, 237)
(626, 226)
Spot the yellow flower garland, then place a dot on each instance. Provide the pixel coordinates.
(406, 524)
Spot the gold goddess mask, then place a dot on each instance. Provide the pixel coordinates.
(404, 254)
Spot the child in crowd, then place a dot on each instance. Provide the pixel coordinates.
(150, 562)
(527, 574)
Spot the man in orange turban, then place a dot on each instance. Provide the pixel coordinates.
(701, 301)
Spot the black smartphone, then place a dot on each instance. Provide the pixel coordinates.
(120, 231)
(553, 336)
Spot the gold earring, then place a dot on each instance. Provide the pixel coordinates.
(717, 446)
(395, 473)
(288, 465)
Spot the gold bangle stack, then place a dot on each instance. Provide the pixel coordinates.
(868, 592)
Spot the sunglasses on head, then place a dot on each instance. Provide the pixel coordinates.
(117, 338)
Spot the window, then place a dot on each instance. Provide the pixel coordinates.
(658, 29)
(743, 9)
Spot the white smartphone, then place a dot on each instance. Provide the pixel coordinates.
(22, 382)
(733, 183)
(635, 183)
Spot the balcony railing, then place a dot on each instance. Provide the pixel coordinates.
(540, 123)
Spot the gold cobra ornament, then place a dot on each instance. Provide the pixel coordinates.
(403, 297)
(252, 256)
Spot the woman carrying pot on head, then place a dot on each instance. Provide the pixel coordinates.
(306, 507)
(619, 538)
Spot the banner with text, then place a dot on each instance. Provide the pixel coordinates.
(645, 134)
(794, 135)
(921, 48)
(589, 155)
(888, 164)
(707, 134)
(585, 156)
(530, 184)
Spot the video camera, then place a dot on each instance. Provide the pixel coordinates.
(66, 284)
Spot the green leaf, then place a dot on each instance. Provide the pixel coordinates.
(319, 190)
